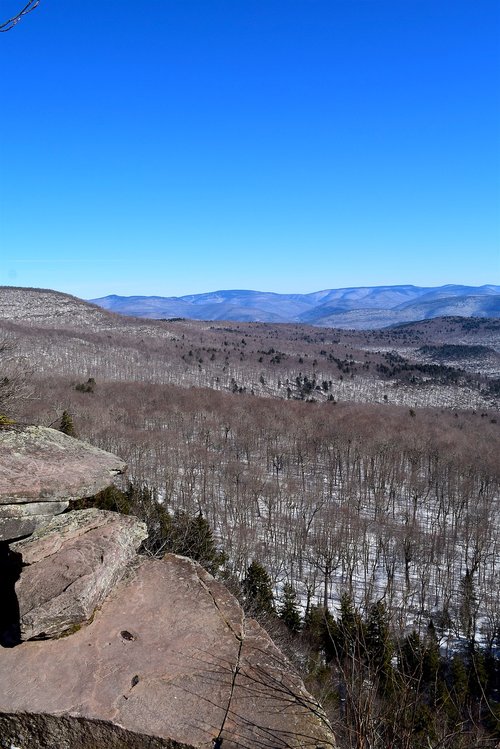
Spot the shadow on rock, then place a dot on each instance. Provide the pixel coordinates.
(11, 564)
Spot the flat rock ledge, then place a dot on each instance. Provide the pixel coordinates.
(72, 565)
(41, 469)
(168, 660)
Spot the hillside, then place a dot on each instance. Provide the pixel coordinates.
(353, 466)
(358, 308)
(59, 334)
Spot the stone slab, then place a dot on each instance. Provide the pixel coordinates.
(14, 528)
(169, 657)
(41, 464)
(20, 520)
(70, 566)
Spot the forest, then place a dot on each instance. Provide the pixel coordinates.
(363, 533)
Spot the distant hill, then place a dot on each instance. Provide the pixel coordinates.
(351, 308)
(449, 362)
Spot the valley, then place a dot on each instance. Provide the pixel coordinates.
(358, 463)
(65, 335)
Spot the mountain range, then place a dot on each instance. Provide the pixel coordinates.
(348, 308)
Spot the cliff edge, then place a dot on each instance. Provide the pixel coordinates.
(110, 649)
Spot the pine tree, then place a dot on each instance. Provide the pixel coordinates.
(477, 673)
(431, 663)
(144, 504)
(112, 499)
(459, 687)
(289, 611)
(66, 426)
(257, 590)
(192, 537)
(379, 645)
(468, 607)
(321, 629)
(350, 635)
(196, 540)
(411, 656)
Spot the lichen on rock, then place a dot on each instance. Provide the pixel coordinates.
(41, 469)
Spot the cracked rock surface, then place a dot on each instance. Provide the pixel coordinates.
(168, 660)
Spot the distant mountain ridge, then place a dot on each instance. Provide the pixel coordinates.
(353, 307)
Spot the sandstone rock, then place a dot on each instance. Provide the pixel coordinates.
(42, 464)
(40, 470)
(63, 732)
(17, 520)
(168, 660)
(73, 563)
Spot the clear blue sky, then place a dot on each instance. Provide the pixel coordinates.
(179, 146)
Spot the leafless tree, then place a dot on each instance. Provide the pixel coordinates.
(15, 378)
(11, 22)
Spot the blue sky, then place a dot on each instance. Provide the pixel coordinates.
(181, 146)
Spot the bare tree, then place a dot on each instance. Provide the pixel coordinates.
(11, 22)
(14, 377)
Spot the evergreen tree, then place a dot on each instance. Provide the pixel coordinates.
(379, 645)
(66, 425)
(257, 590)
(144, 504)
(468, 607)
(320, 629)
(112, 499)
(349, 630)
(86, 387)
(192, 536)
(180, 533)
(411, 657)
(458, 689)
(492, 665)
(478, 676)
(289, 611)
(431, 664)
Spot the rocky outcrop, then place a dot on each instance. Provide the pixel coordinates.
(66, 732)
(41, 469)
(168, 659)
(121, 650)
(72, 565)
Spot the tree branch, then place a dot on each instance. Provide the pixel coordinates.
(11, 22)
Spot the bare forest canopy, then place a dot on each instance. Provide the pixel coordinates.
(345, 462)
(406, 365)
(352, 458)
